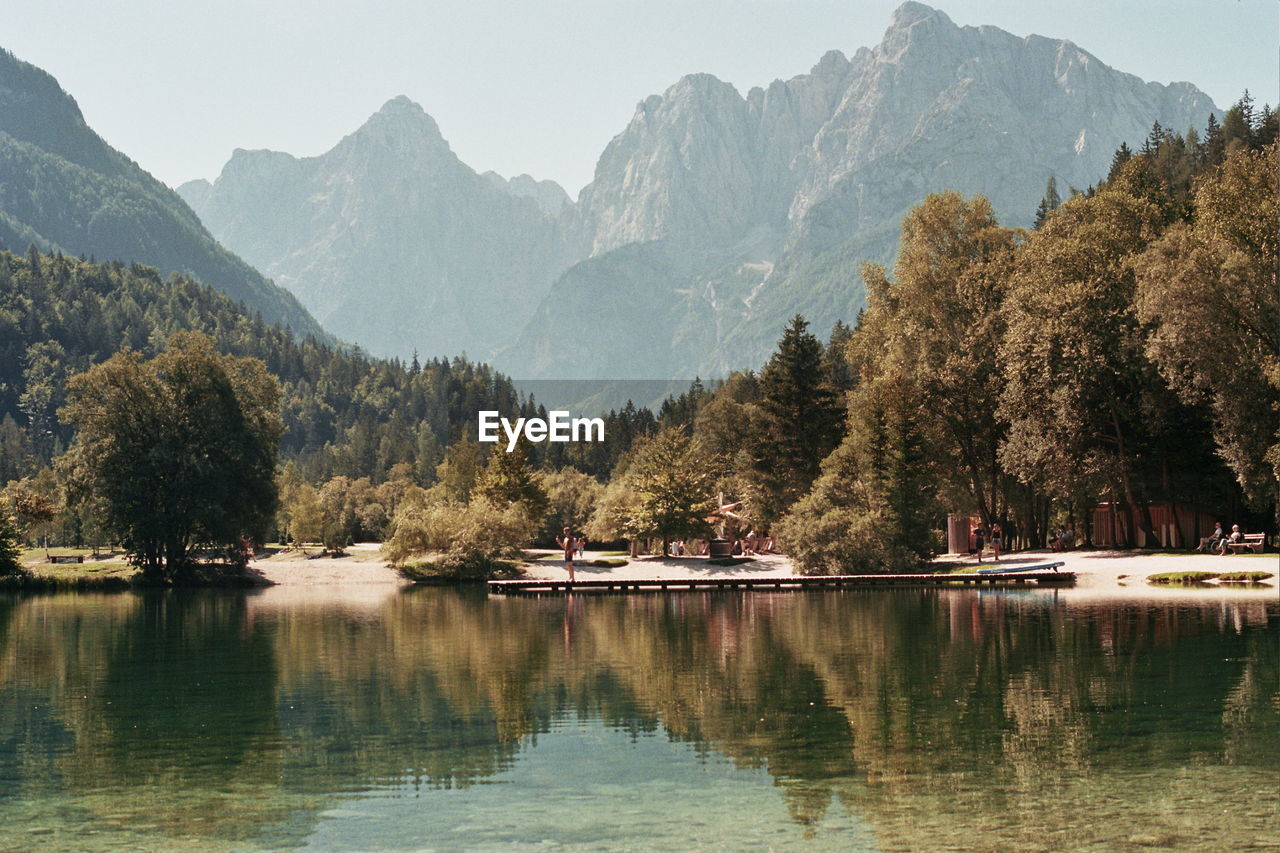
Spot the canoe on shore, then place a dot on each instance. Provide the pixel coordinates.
(1036, 567)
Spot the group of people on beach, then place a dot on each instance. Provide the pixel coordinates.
(1219, 541)
(751, 545)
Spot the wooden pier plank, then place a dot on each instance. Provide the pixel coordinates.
(778, 583)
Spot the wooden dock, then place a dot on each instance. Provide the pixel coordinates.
(790, 582)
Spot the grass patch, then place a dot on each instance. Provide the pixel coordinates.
(728, 561)
(1244, 577)
(608, 564)
(614, 554)
(1182, 578)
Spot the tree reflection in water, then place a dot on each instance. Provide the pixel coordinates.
(983, 720)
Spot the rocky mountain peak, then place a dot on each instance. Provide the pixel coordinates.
(403, 128)
(911, 13)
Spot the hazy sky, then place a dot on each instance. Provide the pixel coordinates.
(537, 86)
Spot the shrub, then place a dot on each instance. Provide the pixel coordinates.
(9, 551)
(465, 540)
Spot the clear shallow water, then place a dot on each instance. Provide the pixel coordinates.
(445, 720)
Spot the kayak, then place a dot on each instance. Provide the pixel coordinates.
(1004, 570)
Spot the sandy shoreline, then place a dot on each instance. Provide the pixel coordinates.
(1100, 574)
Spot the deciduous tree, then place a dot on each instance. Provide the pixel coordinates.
(672, 485)
(1208, 290)
(181, 449)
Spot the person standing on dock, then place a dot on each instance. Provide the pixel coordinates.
(996, 536)
(569, 544)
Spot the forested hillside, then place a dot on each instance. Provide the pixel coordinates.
(345, 413)
(62, 188)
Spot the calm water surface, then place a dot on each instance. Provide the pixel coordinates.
(446, 720)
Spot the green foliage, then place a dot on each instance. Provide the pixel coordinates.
(1244, 577)
(671, 483)
(1207, 290)
(181, 450)
(937, 326)
(572, 497)
(467, 537)
(457, 474)
(802, 423)
(1081, 398)
(345, 414)
(1050, 201)
(9, 550)
(508, 480)
(33, 507)
(303, 515)
(873, 507)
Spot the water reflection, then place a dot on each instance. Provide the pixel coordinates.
(977, 720)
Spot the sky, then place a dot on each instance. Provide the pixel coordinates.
(529, 86)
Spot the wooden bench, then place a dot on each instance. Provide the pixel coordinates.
(1254, 542)
(66, 558)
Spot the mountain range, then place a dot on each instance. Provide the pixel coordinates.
(63, 189)
(711, 219)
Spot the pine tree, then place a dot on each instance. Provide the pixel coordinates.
(1211, 149)
(836, 359)
(1154, 140)
(1123, 155)
(1268, 127)
(509, 479)
(1049, 202)
(1237, 124)
(804, 417)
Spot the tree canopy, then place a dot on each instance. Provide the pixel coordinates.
(180, 449)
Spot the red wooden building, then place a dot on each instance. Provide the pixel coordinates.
(1176, 525)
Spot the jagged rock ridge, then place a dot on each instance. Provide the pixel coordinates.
(711, 219)
(390, 240)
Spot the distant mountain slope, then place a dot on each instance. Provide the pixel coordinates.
(64, 189)
(390, 240)
(779, 196)
(711, 219)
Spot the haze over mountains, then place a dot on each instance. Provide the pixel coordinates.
(711, 219)
(63, 189)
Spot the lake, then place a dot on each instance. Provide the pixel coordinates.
(443, 719)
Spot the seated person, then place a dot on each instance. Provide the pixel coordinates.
(1236, 537)
(1214, 540)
